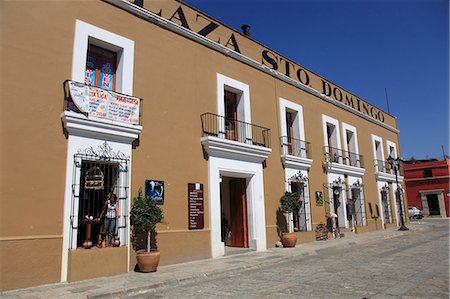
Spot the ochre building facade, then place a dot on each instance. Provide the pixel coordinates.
(156, 95)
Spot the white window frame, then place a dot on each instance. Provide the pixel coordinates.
(86, 34)
(375, 157)
(391, 144)
(329, 120)
(239, 88)
(288, 106)
(346, 127)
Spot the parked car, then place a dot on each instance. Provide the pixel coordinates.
(415, 213)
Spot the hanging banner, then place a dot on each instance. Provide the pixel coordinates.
(103, 103)
(106, 75)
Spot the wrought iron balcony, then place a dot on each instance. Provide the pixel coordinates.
(102, 103)
(295, 147)
(383, 166)
(231, 129)
(336, 155)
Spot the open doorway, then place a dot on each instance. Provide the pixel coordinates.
(433, 204)
(234, 220)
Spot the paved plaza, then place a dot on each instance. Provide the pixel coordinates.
(381, 264)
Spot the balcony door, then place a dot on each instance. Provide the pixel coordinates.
(234, 212)
(238, 209)
(332, 143)
(231, 115)
(101, 65)
(290, 132)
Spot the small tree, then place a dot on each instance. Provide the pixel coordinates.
(145, 214)
(290, 202)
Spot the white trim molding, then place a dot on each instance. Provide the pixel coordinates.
(230, 149)
(344, 169)
(296, 162)
(86, 34)
(253, 173)
(346, 127)
(286, 105)
(329, 120)
(235, 86)
(100, 128)
(393, 145)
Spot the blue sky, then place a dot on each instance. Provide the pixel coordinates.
(364, 46)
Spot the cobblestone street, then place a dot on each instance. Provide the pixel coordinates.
(381, 264)
(413, 264)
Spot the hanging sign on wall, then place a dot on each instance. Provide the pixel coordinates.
(319, 198)
(154, 190)
(195, 206)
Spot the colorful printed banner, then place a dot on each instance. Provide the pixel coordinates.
(103, 103)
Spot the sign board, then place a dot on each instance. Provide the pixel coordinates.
(154, 190)
(104, 103)
(319, 198)
(94, 179)
(195, 206)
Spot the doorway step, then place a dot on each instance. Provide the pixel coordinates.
(236, 250)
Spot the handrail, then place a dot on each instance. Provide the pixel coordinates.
(337, 155)
(295, 147)
(233, 129)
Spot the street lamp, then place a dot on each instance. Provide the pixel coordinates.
(395, 164)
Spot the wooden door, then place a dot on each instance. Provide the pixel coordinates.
(238, 207)
(231, 117)
(101, 67)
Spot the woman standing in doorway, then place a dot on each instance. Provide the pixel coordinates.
(110, 212)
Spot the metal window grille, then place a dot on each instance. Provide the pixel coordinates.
(386, 207)
(95, 174)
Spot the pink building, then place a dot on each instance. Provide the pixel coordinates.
(427, 186)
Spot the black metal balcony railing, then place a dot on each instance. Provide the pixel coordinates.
(227, 128)
(383, 166)
(339, 156)
(99, 102)
(295, 147)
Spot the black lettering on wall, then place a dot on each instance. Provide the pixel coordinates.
(349, 101)
(232, 41)
(208, 28)
(380, 116)
(287, 66)
(267, 58)
(359, 106)
(179, 15)
(139, 3)
(305, 79)
(326, 88)
(338, 94)
(366, 109)
(373, 113)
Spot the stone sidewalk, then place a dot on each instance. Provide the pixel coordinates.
(134, 283)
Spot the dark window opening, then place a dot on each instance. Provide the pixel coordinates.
(92, 201)
(427, 173)
(101, 68)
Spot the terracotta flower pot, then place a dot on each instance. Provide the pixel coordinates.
(289, 240)
(148, 261)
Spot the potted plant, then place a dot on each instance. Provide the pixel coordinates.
(289, 202)
(144, 216)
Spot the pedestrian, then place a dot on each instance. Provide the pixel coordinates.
(110, 212)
